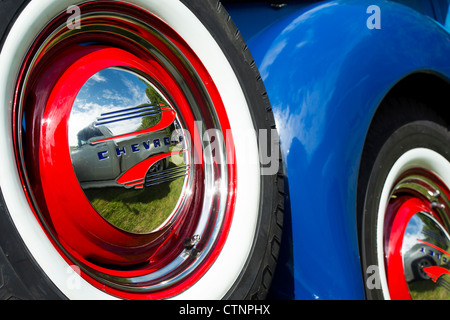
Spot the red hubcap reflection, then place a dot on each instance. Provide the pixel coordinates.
(124, 264)
(418, 194)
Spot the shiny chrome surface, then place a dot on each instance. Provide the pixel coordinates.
(426, 258)
(425, 187)
(114, 128)
(426, 242)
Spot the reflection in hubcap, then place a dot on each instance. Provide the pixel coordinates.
(426, 257)
(122, 133)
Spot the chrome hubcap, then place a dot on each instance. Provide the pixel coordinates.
(417, 242)
(426, 257)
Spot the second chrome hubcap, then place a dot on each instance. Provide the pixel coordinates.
(417, 242)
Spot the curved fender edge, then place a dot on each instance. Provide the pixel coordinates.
(326, 68)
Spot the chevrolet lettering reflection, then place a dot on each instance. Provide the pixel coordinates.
(138, 147)
(129, 126)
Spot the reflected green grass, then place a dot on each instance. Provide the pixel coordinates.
(428, 290)
(136, 211)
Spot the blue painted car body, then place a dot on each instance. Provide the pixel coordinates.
(326, 73)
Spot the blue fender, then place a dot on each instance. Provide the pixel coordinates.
(326, 72)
